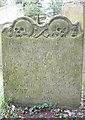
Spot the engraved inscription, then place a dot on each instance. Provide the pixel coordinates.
(43, 63)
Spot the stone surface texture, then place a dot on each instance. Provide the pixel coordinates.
(43, 63)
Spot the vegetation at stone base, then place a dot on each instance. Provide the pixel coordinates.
(36, 108)
(8, 111)
(44, 110)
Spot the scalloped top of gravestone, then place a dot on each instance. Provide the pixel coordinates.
(43, 63)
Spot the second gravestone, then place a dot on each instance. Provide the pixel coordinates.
(43, 63)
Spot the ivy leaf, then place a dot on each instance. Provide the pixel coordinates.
(50, 105)
(55, 105)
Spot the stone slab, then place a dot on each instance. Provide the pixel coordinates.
(43, 63)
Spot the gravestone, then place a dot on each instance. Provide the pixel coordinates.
(43, 63)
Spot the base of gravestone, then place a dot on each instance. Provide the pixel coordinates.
(41, 111)
(43, 119)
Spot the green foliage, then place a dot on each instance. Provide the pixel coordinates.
(8, 111)
(32, 8)
(36, 108)
(2, 3)
(55, 6)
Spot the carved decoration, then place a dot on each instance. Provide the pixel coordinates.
(57, 26)
(45, 56)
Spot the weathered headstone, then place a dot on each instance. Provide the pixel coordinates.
(43, 63)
